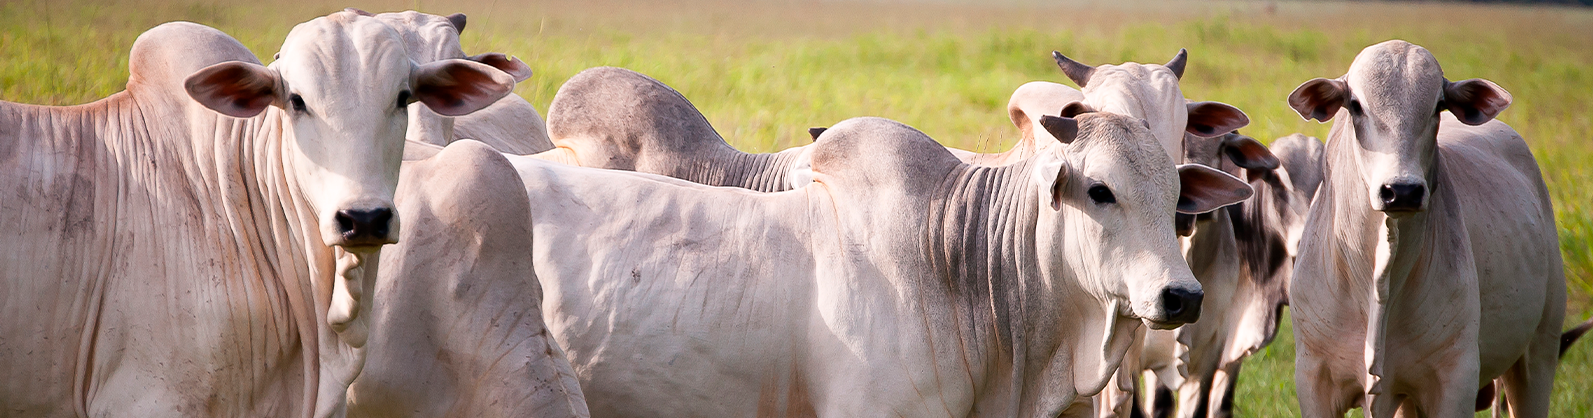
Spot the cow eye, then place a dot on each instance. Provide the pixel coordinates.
(403, 99)
(296, 102)
(1355, 106)
(1102, 195)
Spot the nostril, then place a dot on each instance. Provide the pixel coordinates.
(1172, 304)
(345, 223)
(1386, 193)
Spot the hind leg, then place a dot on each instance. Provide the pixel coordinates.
(1528, 384)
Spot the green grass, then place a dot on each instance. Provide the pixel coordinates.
(764, 71)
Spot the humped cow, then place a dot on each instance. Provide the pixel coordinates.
(1430, 264)
(899, 282)
(618, 119)
(457, 327)
(510, 125)
(163, 259)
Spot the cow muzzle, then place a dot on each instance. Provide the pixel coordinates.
(1402, 197)
(1177, 305)
(364, 228)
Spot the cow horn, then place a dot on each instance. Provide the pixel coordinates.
(358, 11)
(458, 20)
(816, 131)
(1177, 64)
(1074, 109)
(1079, 73)
(1063, 129)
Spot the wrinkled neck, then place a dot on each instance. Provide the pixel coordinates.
(761, 172)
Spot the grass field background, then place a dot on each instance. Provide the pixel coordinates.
(764, 71)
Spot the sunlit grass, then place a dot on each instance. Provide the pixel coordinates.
(763, 72)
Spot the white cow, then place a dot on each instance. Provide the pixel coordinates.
(1430, 264)
(457, 328)
(1242, 257)
(899, 282)
(511, 125)
(165, 260)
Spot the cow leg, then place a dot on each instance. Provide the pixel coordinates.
(1317, 390)
(1193, 396)
(1527, 384)
(1223, 385)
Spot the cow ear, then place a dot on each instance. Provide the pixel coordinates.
(1051, 175)
(505, 63)
(1248, 153)
(1178, 62)
(238, 89)
(1078, 72)
(1203, 189)
(456, 87)
(1074, 109)
(1475, 101)
(816, 131)
(1063, 129)
(1319, 99)
(458, 22)
(1211, 119)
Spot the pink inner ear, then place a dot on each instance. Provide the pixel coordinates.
(457, 87)
(1318, 99)
(1210, 119)
(511, 65)
(1475, 101)
(1203, 189)
(236, 89)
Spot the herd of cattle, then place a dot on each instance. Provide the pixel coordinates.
(307, 238)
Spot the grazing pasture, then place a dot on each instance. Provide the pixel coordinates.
(764, 71)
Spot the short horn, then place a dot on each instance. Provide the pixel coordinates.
(816, 131)
(1177, 64)
(1079, 73)
(458, 21)
(358, 12)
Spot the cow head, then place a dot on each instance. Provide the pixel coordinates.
(341, 84)
(430, 38)
(1150, 92)
(1393, 94)
(1114, 192)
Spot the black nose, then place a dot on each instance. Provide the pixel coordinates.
(1402, 197)
(1181, 305)
(364, 227)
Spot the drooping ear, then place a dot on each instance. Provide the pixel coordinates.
(1203, 189)
(1211, 119)
(1079, 73)
(1062, 128)
(1178, 62)
(505, 63)
(455, 87)
(1074, 109)
(1319, 99)
(358, 12)
(458, 22)
(1248, 153)
(238, 89)
(816, 131)
(1475, 101)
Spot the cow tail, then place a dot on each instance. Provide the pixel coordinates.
(1569, 337)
